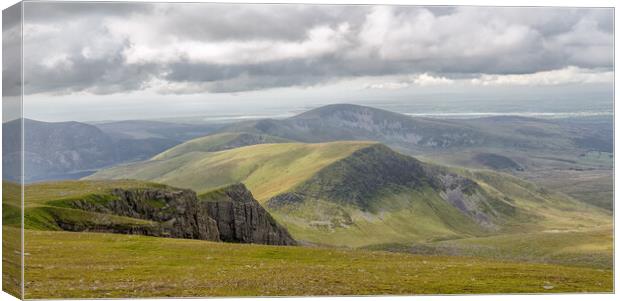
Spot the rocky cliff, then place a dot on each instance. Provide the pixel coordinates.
(176, 213)
(240, 218)
(229, 214)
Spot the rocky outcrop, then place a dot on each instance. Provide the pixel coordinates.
(229, 214)
(466, 195)
(177, 213)
(240, 218)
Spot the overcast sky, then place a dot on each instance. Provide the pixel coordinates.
(85, 60)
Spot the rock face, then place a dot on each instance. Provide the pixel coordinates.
(176, 213)
(240, 218)
(229, 214)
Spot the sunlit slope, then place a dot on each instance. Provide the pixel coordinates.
(219, 142)
(266, 169)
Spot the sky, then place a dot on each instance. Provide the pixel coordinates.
(104, 61)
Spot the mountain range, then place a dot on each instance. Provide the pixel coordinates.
(68, 149)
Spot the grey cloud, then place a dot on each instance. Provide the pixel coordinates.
(513, 41)
(252, 21)
(55, 12)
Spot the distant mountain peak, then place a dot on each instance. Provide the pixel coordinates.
(340, 108)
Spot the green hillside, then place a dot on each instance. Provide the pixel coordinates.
(497, 203)
(361, 193)
(266, 169)
(219, 142)
(123, 266)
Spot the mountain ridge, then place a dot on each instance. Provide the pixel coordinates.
(353, 194)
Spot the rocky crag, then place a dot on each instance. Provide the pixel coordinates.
(229, 214)
(240, 218)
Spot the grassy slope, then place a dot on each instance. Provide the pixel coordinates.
(11, 203)
(11, 239)
(588, 247)
(217, 142)
(412, 216)
(266, 169)
(558, 211)
(87, 265)
(586, 178)
(40, 193)
(594, 186)
(422, 217)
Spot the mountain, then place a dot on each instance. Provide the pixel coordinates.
(229, 214)
(354, 122)
(362, 193)
(554, 152)
(56, 150)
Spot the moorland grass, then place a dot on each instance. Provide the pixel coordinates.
(88, 265)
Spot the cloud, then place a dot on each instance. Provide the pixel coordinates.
(190, 48)
(428, 80)
(318, 41)
(568, 75)
(421, 80)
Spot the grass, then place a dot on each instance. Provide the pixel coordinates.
(89, 265)
(11, 260)
(11, 238)
(586, 248)
(41, 193)
(594, 186)
(266, 169)
(46, 218)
